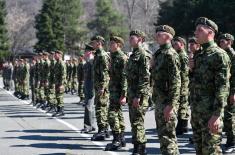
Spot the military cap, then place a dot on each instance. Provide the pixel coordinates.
(52, 52)
(117, 39)
(74, 59)
(98, 38)
(137, 33)
(21, 59)
(88, 47)
(165, 28)
(180, 39)
(60, 52)
(226, 36)
(40, 54)
(45, 53)
(192, 40)
(207, 22)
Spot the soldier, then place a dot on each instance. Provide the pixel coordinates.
(118, 91)
(166, 89)
(80, 77)
(179, 45)
(24, 79)
(37, 79)
(69, 72)
(226, 42)
(194, 49)
(32, 78)
(41, 90)
(210, 89)
(89, 115)
(101, 78)
(4, 72)
(51, 96)
(16, 77)
(138, 78)
(60, 75)
(8, 75)
(74, 78)
(45, 79)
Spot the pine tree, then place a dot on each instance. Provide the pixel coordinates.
(108, 21)
(74, 29)
(4, 40)
(50, 32)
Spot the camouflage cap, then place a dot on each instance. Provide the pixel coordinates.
(88, 47)
(117, 39)
(192, 40)
(137, 33)
(40, 54)
(180, 39)
(165, 28)
(226, 36)
(59, 52)
(45, 53)
(207, 22)
(98, 38)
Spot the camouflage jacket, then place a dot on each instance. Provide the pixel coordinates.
(138, 75)
(118, 82)
(231, 54)
(60, 72)
(166, 76)
(210, 80)
(184, 72)
(101, 70)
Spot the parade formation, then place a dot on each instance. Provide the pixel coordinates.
(193, 85)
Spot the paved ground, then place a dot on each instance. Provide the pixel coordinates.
(25, 130)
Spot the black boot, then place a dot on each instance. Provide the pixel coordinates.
(52, 109)
(185, 126)
(107, 133)
(123, 140)
(59, 112)
(141, 150)
(100, 136)
(116, 143)
(135, 148)
(178, 129)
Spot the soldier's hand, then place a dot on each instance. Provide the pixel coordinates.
(191, 61)
(168, 111)
(136, 102)
(122, 100)
(101, 92)
(232, 99)
(213, 124)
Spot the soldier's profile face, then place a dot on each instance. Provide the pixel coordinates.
(193, 47)
(223, 43)
(161, 37)
(134, 40)
(113, 46)
(201, 34)
(176, 45)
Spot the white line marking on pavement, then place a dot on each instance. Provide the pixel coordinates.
(99, 144)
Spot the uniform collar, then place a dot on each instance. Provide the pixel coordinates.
(165, 46)
(208, 44)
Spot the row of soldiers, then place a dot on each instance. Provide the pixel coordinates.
(7, 73)
(204, 78)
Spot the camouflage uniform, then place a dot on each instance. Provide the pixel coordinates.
(209, 95)
(51, 97)
(60, 75)
(32, 80)
(74, 83)
(117, 87)
(167, 82)
(37, 81)
(101, 78)
(41, 90)
(138, 78)
(45, 78)
(80, 79)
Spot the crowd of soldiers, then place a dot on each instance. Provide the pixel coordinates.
(201, 81)
(7, 73)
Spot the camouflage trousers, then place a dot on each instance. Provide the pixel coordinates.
(137, 120)
(51, 94)
(32, 86)
(81, 90)
(41, 92)
(24, 87)
(183, 111)
(205, 142)
(74, 84)
(166, 130)
(16, 86)
(59, 96)
(229, 123)
(101, 110)
(115, 116)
